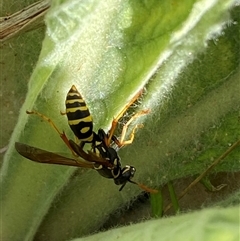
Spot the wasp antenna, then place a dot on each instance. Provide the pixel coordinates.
(145, 188)
(120, 189)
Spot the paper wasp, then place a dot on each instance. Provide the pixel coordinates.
(102, 157)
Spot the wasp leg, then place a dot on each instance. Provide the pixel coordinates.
(123, 142)
(116, 119)
(62, 134)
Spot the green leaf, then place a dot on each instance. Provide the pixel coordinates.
(157, 204)
(185, 55)
(207, 225)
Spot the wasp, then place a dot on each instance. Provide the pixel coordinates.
(102, 157)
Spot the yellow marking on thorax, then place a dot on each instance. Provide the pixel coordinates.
(115, 162)
(98, 143)
(103, 149)
(97, 152)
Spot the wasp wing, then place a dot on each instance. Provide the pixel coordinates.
(42, 156)
(90, 156)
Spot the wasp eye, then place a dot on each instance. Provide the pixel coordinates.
(132, 171)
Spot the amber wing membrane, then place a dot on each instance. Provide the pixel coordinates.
(42, 156)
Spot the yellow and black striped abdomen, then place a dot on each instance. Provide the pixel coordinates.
(79, 117)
